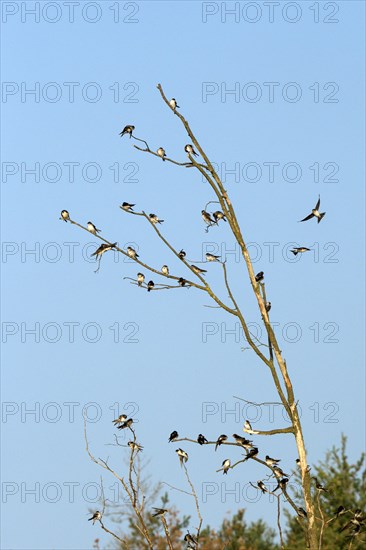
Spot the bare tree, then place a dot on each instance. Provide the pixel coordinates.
(272, 358)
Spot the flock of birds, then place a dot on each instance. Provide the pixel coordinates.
(353, 525)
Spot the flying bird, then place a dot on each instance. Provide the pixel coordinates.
(140, 279)
(252, 453)
(183, 456)
(97, 516)
(159, 512)
(201, 439)
(218, 215)
(182, 254)
(173, 104)
(220, 440)
(91, 227)
(165, 270)
(315, 213)
(150, 285)
(161, 153)
(131, 252)
(299, 250)
(189, 149)
(120, 419)
(104, 247)
(226, 465)
(259, 277)
(212, 258)
(126, 424)
(127, 130)
(127, 206)
(134, 446)
(272, 461)
(154, 219)
(198, 270)
(262, 487)
(173, 435)
(65, 215)
(248, 428)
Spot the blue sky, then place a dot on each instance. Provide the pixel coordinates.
(168, 359)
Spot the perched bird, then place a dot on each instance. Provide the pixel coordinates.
(126, 424)
(301, 512)
(127, 206)
(252, 453)
(65, 215)
(165, 270)
(161, 153)
(340, 510)
(150, 285)
(189, 149)
(218, 215)
(207, 218)
(183, 456)
(299, 250)
(173, 104)
(243, 441)
(212, 258)
(104, 247)
(159, 512)
(220, 440)
(127, 130)
(182, 254)
(281, 484)
(191, 540)
(97, 516)
(278, 472)
(268, 306)
(181, 281)
(226, 465)
(308, 468)
(319, 486)
(120, 419)
(134, 446)
(259, 277)
(262, 487)
(198, 270)
(201, 439)
(271, 461)
(91, 227)
(132, 253)
(248, 428)
(173, 435)
(140, 279)
(315, 213)
(154, 219)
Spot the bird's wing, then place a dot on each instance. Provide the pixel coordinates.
(307, 218)
(317, 204)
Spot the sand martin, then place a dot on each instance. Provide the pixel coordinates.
(198, 270)
(104, 247)
(299, 250)
(150, 285)
(207, 217)
(315, 213)
(182, 254)
(140, 279)
(173, 104)
(212, 258)
(268, 306)
(226, 465)
(126, 424)
(131, 252)
(127, 206)
(161, 153)
(218, 215)
(154, 219)
(248, 428)
(252, 453)
(201, 439)
(174, 435)
(120, 419)
(220, 440)
(259, 277)
(91, 227)
(189, 149)
(262, 487)
(97, 516)
(183, 456)
(159, 512)
(182, 282)
(134, 446)
(243, 441)
(165, 270)
(271, 461)
(65, 215)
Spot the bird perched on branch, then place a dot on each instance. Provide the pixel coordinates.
(104, 247)
(262, 487)
(198, 270)
(65, 215)
(173, 104)
(319, 486)
(120, 419)
(259, 277)
(140, 279)
(182, 282)
(174, 435)
(226, 465)
(315, 213)
(150, 285)
(183, 456)
(154, 219)
(132, 253)
(161, 153)
(207, 218)
(201, 439)
(212, 258)
(97, 516)
(248, 428)
(189, 149)
(165, 270)
(91, 227)
(301, 512)
(192, 543)
(271, 461)
(218, 215)
(127, 206)
(220, 440)
(268, 306)
(182, 254)
(243, 441)
(159, 512)
(127, 130)
(134, 446)
(126, 424)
